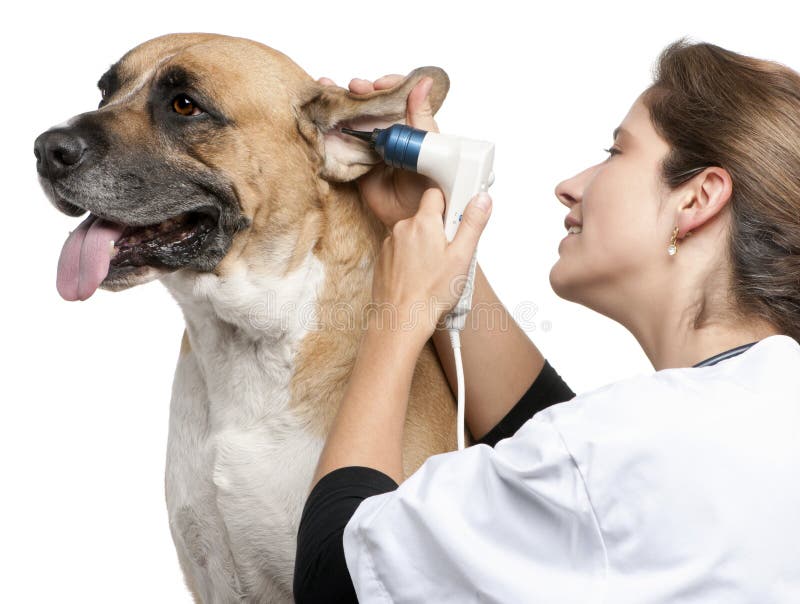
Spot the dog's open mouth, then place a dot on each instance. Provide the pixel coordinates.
(175, 238)
(99, 249)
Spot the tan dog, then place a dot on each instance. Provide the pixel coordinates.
(231, 153)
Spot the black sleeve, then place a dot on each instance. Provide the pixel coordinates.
(547, 389)
(320, 570)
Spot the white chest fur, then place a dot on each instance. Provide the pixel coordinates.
(239, 463)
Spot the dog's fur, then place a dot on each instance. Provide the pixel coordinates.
(273, 303)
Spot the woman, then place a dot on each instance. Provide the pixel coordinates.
(678, 486)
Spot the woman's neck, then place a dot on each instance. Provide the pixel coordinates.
(687, 347)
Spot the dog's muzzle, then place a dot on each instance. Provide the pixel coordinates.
(144, 215)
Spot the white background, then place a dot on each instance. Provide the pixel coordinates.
(86, 385)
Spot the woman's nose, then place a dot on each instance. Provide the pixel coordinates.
(566, 192)
(570, 191)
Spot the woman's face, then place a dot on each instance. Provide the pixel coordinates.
(624, 237)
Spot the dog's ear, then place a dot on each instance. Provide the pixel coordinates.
(329, 108)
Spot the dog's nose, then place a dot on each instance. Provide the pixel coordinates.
(58, 151)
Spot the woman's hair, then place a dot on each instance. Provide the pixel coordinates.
(715, 107)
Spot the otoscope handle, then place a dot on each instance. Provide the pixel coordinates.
(462, 167)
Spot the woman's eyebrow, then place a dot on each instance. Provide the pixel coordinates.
(619, 130)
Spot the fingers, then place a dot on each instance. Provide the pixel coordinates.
(357, 85)
(419, 112)
(474, 220)
(388, 81)
(361, 86)
(432, 204)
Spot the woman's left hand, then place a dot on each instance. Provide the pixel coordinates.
(419, 276)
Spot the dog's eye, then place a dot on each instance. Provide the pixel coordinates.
(183, 105)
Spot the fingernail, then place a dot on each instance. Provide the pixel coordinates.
(483, 201)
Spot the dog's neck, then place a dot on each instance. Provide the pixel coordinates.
(307, 296)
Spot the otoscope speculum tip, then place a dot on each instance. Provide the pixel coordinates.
(364, 136)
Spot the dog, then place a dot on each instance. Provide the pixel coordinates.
(215, 165)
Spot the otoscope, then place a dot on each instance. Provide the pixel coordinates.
(462, 167)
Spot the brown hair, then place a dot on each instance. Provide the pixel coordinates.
(715, 107)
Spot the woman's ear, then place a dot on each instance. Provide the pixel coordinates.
(707, 195)
(326, 109)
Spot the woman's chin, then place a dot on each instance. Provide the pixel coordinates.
(562, 285)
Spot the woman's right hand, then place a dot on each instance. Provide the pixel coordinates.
(394, 194)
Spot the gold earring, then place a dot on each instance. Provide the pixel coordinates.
(673, 245)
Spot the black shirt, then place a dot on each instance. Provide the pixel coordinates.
(320, 570)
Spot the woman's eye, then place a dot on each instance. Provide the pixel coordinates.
(184, 105)
(612, 151)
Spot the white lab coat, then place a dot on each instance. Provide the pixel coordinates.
(679, 486)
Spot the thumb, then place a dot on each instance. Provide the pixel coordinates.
(418, 109)
(473, 221)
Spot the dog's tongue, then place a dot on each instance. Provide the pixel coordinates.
(85, 258)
